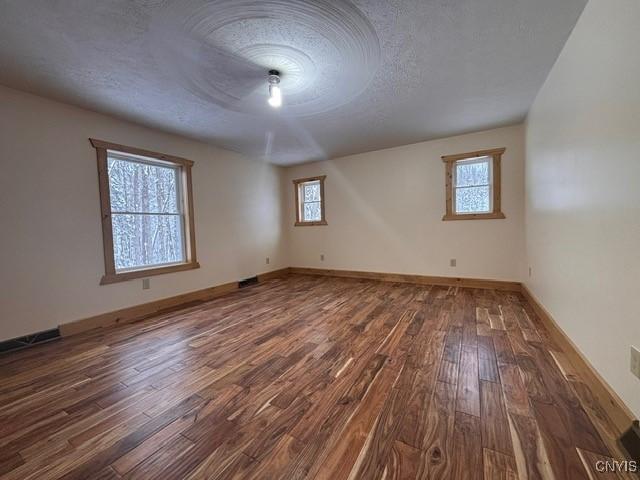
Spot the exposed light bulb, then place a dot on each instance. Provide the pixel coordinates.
(275, 95)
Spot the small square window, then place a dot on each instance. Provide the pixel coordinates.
(473, 180)
(473, 185)
(310, 201)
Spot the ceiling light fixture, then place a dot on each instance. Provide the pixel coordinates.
(275, 95)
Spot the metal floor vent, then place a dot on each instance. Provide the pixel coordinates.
(631, 441)
(29, 340)
(247, 282)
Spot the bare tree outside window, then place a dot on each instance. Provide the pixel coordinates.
(146, 213)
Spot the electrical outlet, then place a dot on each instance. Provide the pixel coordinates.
(635, 361)
(322, 257)
(146, 283)
(453, 262)
(267, 261)
(529, 271)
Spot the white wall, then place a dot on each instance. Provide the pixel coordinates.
(583, 191)
(51, 243)
(384, 211)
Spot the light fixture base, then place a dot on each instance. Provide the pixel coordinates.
(275, 95)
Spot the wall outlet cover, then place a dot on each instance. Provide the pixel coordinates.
(453, 262)
(267, 261)
(146, 283)
(635, 361)
(322, 257)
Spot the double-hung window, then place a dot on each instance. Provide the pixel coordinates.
(310, 201)
(473, 185)
(147, 212)
(472, 182)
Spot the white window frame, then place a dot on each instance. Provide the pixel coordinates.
(472, 161)
(127, 157)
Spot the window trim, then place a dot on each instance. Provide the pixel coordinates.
(110, 274)
(296, 186)
(496, 209)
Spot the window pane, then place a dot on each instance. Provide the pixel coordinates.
(311, 192)
(312, 212)
(144, 240)
(473, 200)
(140, 187)
(469, 174)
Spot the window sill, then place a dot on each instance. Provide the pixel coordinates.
(310, 224)
(148, 272)
(474, 216)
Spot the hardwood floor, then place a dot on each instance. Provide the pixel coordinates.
(307, 377)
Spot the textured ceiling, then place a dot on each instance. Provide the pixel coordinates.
(356, 75)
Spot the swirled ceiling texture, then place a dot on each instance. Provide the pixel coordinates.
(356, 75)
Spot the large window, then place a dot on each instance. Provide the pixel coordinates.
(147, 212)
(310, 201)
(473, 185)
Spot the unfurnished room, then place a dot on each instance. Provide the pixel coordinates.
(319, 239)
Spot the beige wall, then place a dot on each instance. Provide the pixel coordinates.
(583, 191)
(384, 211)
(51, 244)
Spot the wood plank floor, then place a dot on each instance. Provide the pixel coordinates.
(307, 377)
